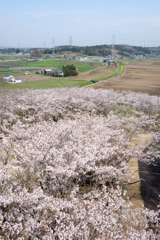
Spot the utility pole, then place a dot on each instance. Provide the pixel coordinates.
(70, 40)
(44, 44)
(113, 51)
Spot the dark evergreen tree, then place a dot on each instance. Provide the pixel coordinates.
(70, 70)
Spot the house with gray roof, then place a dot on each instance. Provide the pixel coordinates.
(47, 71)
(58, 73)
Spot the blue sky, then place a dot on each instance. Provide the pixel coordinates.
(35, 23)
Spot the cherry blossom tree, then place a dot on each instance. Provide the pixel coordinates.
(64, 154)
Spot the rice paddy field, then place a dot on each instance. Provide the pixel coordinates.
(53, 64)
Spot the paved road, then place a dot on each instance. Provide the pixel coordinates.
(150, 188)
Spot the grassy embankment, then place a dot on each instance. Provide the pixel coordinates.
(55, 83)
(113, 74)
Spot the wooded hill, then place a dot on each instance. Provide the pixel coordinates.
(104, 50)
(97, 50)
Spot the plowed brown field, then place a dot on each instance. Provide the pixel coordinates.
(140, 75)
(33, 77)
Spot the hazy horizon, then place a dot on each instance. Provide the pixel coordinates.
(35, 24)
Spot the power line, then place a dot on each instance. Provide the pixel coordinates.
(135, 40)
(92, 40)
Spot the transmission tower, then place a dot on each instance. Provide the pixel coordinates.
(113, 50)
(53, 42)
(70, 40)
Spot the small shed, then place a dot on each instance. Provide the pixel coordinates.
(18, 80)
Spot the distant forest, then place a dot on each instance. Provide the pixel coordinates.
(104, 50)
(97, 50)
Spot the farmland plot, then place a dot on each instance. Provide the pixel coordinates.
(82, 76)
(97, 73)
(139, 76)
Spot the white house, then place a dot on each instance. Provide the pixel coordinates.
(9, 78)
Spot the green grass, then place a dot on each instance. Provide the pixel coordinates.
(3, 67)
(11, 57)
(2, 74)
(82, 67)
(124, 61)
(53, 64)
(48, 54)
(124, 111)
(56, 83)
(121, 71)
